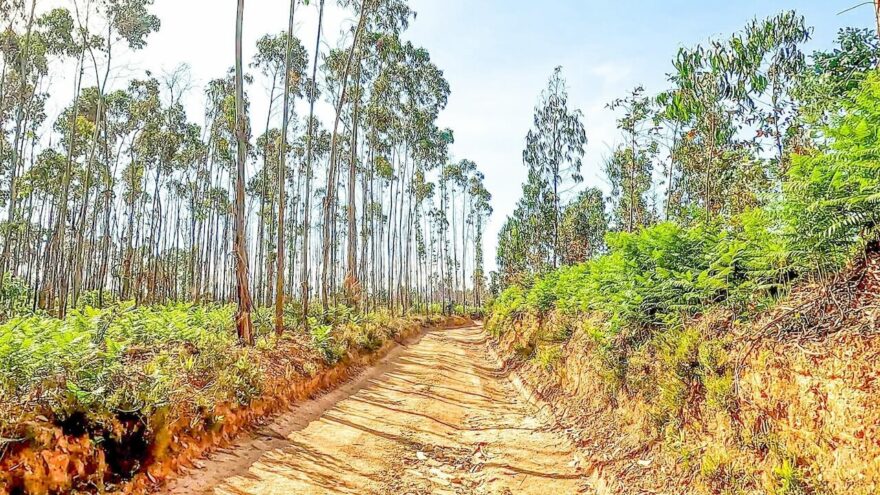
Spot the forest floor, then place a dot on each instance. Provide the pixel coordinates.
(437, 416)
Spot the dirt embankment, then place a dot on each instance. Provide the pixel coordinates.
(793, 409)
(76, 456)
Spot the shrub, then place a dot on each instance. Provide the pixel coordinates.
(95, 299)
(505, 308)
(787, 480)
(14, 296)
(833, 197)
(367, 336)
(547, 356)
(124, 359)
(324, 342)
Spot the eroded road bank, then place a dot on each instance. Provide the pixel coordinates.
(435, 417)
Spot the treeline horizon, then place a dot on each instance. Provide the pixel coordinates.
(123, 196)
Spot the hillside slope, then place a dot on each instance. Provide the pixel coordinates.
(782, 403)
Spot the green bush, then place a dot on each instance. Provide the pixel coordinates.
(547, 356)
(14, 296)
(324, 342)
(141, 360)
(125, 359)
(832, 198)
(656, 276)
(508, 305)
(788, 480)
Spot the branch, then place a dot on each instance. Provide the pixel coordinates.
(854, 7)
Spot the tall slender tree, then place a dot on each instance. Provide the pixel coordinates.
(245, 305)
(555, 148)
(282, 169)
(631, 165)
(311, 130)
(330, 197)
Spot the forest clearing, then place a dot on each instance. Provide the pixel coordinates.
(243, 248)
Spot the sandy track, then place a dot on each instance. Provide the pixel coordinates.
(434, 417)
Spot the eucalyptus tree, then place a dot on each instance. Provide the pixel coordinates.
(311, 129)
(142, 125)
(245, 305)
(160, 204)
(284, 80)
(459, 175)
(26, 56)
(270, 61)
(24, 87)
(425, 93)
(630, 167)
(512, 252)
(525, 243)
(330, 198)
(768, 57)
(480, 213)
(725, 90)
(584, 225)
(375, 74)
(213, 186)
(383, 75)
(129, 21)
(698, 106)
(834, 73)
(295, 62)
(555, 147)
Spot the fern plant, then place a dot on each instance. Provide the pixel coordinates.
(833, 197)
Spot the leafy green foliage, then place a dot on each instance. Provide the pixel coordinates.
(325, 343)
(125, 359)
(14, 296)
(630, 166)
(142, 360)
(833, 197)
(836, 73)
(657, 275)
(788, 480)
(583, 228)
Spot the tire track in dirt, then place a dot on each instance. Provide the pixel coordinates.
(435, 417)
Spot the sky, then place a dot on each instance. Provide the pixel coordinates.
(497, 56)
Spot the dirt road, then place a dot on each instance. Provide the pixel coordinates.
(434, 417)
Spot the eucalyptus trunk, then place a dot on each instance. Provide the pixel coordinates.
(282, 169)
(243, 317)
(308, 173)
(330, 198)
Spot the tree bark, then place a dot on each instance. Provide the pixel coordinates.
(243, 318)
(330, 198)
(282, 168)
(308, 173)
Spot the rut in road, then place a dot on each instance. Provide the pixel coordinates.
(435, 417)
